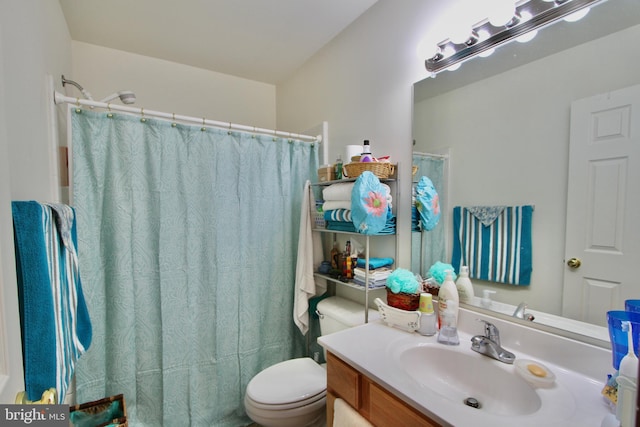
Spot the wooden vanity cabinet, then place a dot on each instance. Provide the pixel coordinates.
(373, 402)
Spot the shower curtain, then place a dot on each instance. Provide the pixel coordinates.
(428, 247)
(187, 245)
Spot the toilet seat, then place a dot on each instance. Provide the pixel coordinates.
(289, 384)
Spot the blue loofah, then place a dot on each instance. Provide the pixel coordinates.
(439, 272)
(401, 280)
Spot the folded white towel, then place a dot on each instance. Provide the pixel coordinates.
(342, 191)
(333, 205)
(345, 416)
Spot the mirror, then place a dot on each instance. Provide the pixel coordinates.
(504, 121)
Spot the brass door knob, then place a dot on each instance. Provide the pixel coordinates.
(574, 263)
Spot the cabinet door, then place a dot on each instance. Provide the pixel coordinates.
(343, 381)
(388, 411)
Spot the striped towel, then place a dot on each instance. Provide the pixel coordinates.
(343, 215)
(56, 329)
(494, 241)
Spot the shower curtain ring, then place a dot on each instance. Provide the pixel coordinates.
(229, 131)
(275, 134)
(253, 136)
(143, 119)
(78, 109)
(203, 128)
(173, 124)
(109, 114)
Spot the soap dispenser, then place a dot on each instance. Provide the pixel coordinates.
(486, 298)
(465, 288)
(449, 327)
(447, 292)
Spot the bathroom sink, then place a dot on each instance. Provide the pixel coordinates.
(468, 378)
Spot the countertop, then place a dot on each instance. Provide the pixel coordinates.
(574, 400)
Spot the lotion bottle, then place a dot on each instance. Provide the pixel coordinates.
(465, 288)
(447, 292)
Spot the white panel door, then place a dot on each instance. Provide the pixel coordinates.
(602, 247)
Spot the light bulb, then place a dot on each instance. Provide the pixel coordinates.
(448, 51)
(487, 52)
(501, 12)
(460, 33)
(578, 15)
(526, 37)
(454, 66)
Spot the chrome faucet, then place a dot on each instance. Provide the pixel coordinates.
(489, 344)
(520, 312)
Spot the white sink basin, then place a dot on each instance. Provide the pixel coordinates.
(459, 376)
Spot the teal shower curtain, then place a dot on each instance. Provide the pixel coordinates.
(428, 247)
(187, 246)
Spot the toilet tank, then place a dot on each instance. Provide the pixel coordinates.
(337, 314)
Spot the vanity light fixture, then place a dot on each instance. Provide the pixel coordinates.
(528, 17)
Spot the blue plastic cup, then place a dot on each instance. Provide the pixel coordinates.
(619, 342)
(632, 305)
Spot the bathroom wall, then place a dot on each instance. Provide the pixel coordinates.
(171, 87)
(34, 42)
(361, 83)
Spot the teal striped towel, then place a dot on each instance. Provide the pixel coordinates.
(56, 329)
(495, 242)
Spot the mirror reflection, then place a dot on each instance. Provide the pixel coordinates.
(503, 124)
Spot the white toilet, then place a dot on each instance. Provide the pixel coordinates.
(293, 393)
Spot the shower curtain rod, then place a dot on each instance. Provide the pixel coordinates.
(60, 99)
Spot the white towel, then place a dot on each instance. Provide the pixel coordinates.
(333, 205)
(339, 191)
(345, 416)
(310, 256)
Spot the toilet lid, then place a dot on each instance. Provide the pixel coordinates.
(287, 382)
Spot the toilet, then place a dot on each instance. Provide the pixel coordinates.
(293, 393)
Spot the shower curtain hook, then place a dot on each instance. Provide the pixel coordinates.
(78, 109)
(143, 119)
(229, 131)
(109, 114)
(275, 134)
(203, 128)
(173, 116)
(253, 136)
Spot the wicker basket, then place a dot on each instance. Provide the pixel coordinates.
(381, 170)
(403, 301)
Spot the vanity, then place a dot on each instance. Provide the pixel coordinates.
(393, 377)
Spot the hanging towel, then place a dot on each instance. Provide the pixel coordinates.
(309, 258)
(345, 416)
(494, 241)
(55, 324)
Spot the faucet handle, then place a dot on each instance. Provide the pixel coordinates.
(491, 331)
